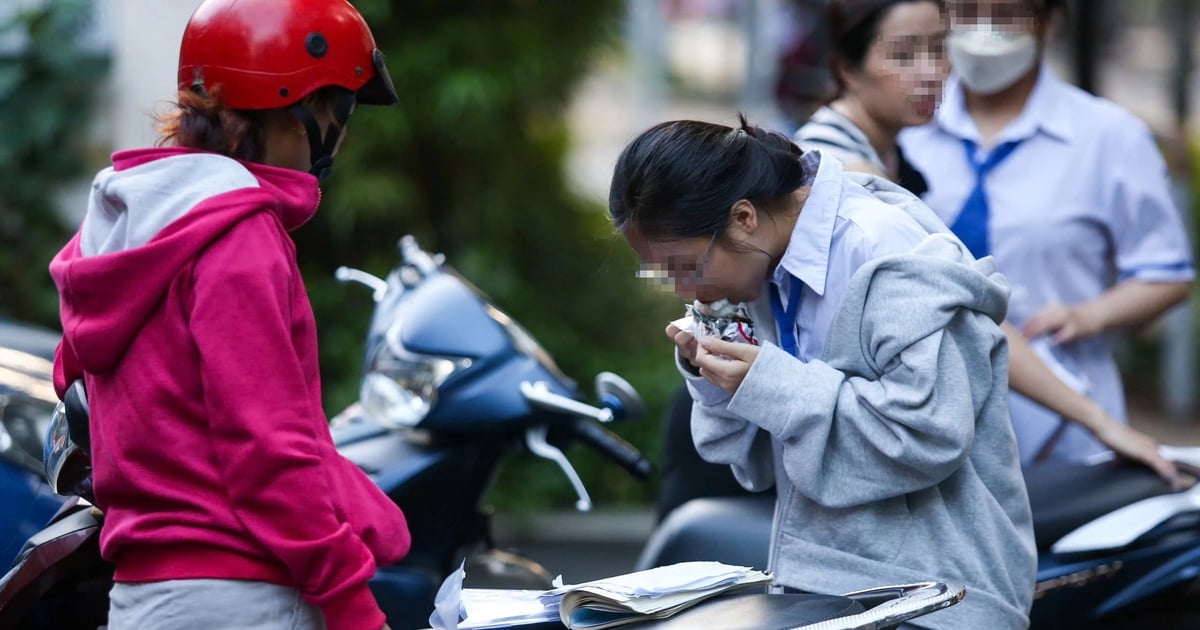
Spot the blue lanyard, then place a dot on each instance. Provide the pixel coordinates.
(786, 318)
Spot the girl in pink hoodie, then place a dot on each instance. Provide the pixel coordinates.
(226, 503)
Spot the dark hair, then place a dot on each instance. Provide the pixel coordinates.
(853, 26)
(1044, 8)
(679, 179)
(200, 121)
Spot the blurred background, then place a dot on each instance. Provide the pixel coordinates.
(512, 115)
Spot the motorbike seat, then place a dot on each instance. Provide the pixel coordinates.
(733, 530)
(1065, 497)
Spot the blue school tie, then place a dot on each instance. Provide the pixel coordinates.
(786, 318)
(971, 226)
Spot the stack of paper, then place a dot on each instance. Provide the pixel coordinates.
(651, 594)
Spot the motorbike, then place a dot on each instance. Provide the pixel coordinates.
(452, 386)
(27, 401)
(1116, 545)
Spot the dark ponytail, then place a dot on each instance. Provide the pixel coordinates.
(679, 179)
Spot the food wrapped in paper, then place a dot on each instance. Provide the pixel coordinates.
(723, 319)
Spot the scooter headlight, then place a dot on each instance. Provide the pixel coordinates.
(400, 387)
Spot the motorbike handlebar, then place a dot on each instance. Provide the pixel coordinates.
(613, 447)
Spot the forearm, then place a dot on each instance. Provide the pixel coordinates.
(722, 437)
(1030, 377)
(1132, 303)
(833, 427)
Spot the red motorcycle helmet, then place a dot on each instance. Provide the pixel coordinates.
(268, 54)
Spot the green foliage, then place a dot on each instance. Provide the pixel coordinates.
(45, 95)
(472, 163)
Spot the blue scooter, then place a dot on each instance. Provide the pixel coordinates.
(27, 400)
(452, 386)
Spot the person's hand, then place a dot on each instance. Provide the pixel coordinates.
(1065, 323)
(385, 627)
(724, 363)
(686, 343)
(1132, 444)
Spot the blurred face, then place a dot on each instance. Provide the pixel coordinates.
(994, 43)
(1011, 16)
(900, 81)
(287, 142)
(699, 268)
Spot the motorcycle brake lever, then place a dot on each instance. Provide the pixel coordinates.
(535, 437)
(378, 286)
(539, 395)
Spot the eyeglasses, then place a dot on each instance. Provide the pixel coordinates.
(690, 273)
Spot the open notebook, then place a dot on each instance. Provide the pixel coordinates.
(605, 603)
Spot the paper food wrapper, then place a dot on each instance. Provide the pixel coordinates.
(721, 319)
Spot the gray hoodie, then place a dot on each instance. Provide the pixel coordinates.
(893, 456)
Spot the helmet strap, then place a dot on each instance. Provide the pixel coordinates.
(320, 144)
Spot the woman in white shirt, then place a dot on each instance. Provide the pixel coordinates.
(890, 64)
(1070, 195)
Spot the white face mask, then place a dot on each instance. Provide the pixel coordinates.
(987, 59)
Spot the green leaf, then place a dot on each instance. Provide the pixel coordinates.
(45, 98)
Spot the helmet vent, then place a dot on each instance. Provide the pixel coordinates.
(198, 81)
(316, 45)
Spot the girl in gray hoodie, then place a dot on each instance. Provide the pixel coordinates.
(874, 398)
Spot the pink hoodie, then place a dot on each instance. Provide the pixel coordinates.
(184, 310)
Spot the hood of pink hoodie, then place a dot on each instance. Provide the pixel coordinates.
(148, 217)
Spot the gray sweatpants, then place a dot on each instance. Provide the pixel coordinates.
(209, 605)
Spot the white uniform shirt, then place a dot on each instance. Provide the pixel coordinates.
(1083, 202)
(840, 228)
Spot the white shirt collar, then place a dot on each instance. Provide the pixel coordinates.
(807, 254)
(1044, 111)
